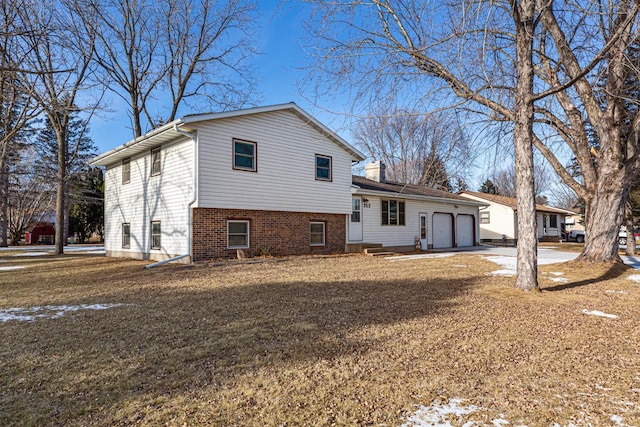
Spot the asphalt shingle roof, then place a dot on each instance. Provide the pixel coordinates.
(399, 188)
(511, 202)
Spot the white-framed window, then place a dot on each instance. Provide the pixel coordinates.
(393, 212)
(245, 155)
(156, 233)
(126, 235)
(156, 161)
(485, 217)
(317, 233)
(356, 207)
(323, 167)
(126, 170)
(238, 234)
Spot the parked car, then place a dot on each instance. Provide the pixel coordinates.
(577, 235)
(622, 236)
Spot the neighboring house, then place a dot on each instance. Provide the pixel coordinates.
(574, 220)
(405, 217)
(268, 180)
(499, 220)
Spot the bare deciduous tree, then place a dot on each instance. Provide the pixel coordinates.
(483, 53)
(17, 105)
(61, 49)
(425, 149)
(190, 49)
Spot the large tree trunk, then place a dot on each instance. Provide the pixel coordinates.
(61, 179)
(4, 204)
(527, 264)
(603, 219)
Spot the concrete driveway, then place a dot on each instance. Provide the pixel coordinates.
(507, 255)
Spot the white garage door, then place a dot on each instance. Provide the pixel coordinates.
(464, 230)
(442, 230)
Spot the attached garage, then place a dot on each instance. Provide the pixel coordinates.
(442, 230)
(464, 230)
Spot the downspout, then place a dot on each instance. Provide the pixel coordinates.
(194, 137)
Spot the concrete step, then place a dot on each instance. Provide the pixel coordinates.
(378, 251)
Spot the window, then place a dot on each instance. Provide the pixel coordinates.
(126, 235)
(244, 155)
(155, 234)
(317, 233)
(156, 165)
(553, 221)
(392, 212)
(237, 234)
(485, 218)
(355, 210)
(323, 168)
(126, 170)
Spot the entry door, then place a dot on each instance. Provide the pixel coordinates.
(355, 220)
(423, 232)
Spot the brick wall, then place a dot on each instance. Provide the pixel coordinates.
(278, 233)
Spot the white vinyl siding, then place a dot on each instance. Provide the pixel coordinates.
(286, 177)
(163, 198)
(374, 232)
(502, 222)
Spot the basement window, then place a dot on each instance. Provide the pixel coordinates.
(237, 234)
(317, 233)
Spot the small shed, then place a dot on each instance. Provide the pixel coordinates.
(43, 233)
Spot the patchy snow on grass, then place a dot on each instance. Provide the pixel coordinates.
(450, 414)
(503, 273)
(559, 279)
(634, 278)
(11, 267)
(419, 256)
(48, 311)
(439, 415)
(32, 253)
(613, 291)
(599, 313)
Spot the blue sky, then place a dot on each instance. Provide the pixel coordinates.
(278, 69)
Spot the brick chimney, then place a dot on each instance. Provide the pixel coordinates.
(375, 171)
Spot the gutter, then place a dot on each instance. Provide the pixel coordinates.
(194, 137)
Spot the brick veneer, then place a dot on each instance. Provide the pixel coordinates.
(279, 233)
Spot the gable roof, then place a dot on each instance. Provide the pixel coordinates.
(408, 191)
(512, 202)
(176, 129)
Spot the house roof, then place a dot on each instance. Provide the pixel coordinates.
(512, 202)
(177, 128)
(408, 191)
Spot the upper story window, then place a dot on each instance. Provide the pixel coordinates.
(323, 168)
(156, 164)
(393, 212)
(485, 217)
(245, 155)
(126, 170)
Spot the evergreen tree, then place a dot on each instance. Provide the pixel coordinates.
(86, 213)
(488, 187)
(80, 148)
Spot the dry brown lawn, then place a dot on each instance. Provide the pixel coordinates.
(348, 340)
